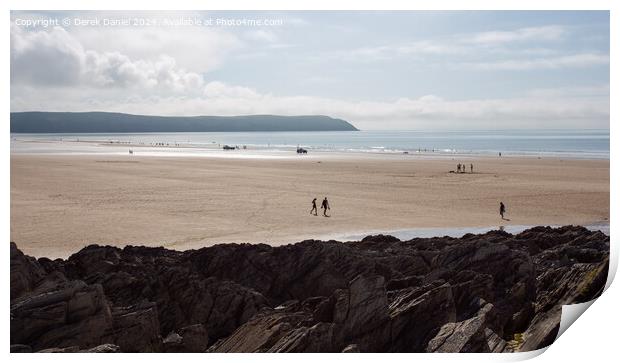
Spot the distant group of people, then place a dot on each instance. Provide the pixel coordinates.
(324, 206)
(462, 168)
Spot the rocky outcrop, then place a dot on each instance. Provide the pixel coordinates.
(494, 292)
(103, 348)
(171, 280)
(72, 314)
(463, 336)
(25, 273)
(135, 328)
(351, 348)
(189, 339)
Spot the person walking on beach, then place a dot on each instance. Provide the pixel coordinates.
(313, 207)
(325, 207)
(471, 168)
(502, 209)
(458, 168)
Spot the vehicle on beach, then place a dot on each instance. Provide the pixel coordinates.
(301, 150)
(228, 147)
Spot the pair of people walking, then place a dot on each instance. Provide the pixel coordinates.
(461, 168)
(324, 206)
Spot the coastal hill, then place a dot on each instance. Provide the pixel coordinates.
(107, 122)
(492, 292)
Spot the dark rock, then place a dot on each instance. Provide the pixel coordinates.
(417, 315)
(184, 297)
(195, 338)
(190, 339)
(494, 342)
(466, 336)
(173, 343)
(492, 292)
(317, 338)
(103, 348)
(136, 329)
(263, 332)
(360, 311)
(20, 348)
(351, 348)
(72, 349)
(72, 314)
(543, 330)
(25, 272)
(365, 305)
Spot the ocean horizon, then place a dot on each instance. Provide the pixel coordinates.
(576, 143)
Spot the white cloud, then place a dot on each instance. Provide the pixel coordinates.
(430, 47)
(201, 49)
(67, 63)
(411, 49)
(582, 91)
(45, 57)
(565, 61)
(262, 35)
(430, 98)
(217, 90)
(542, 33)
(486, 45)
(493, 41)
(118, 70)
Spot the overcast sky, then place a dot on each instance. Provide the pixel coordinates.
(378, 70)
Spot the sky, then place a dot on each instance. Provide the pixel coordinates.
(407, 70)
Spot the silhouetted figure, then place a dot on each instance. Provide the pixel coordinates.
(502, 209)
(458, 168)
(471, 167)
(325, 206)
(500, 154)
(314, 207)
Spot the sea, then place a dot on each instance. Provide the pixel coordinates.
(583, 143)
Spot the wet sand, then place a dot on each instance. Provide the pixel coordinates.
(60, 204)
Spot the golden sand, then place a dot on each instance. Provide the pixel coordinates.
(60, 204)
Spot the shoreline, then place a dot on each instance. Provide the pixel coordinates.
(403, 235)
(262, 151)
(315, 155)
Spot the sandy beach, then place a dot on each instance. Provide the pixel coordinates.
(60, 204)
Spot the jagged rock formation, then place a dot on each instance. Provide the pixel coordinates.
(493, 292)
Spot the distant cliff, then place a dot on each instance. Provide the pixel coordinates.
(89, 122)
